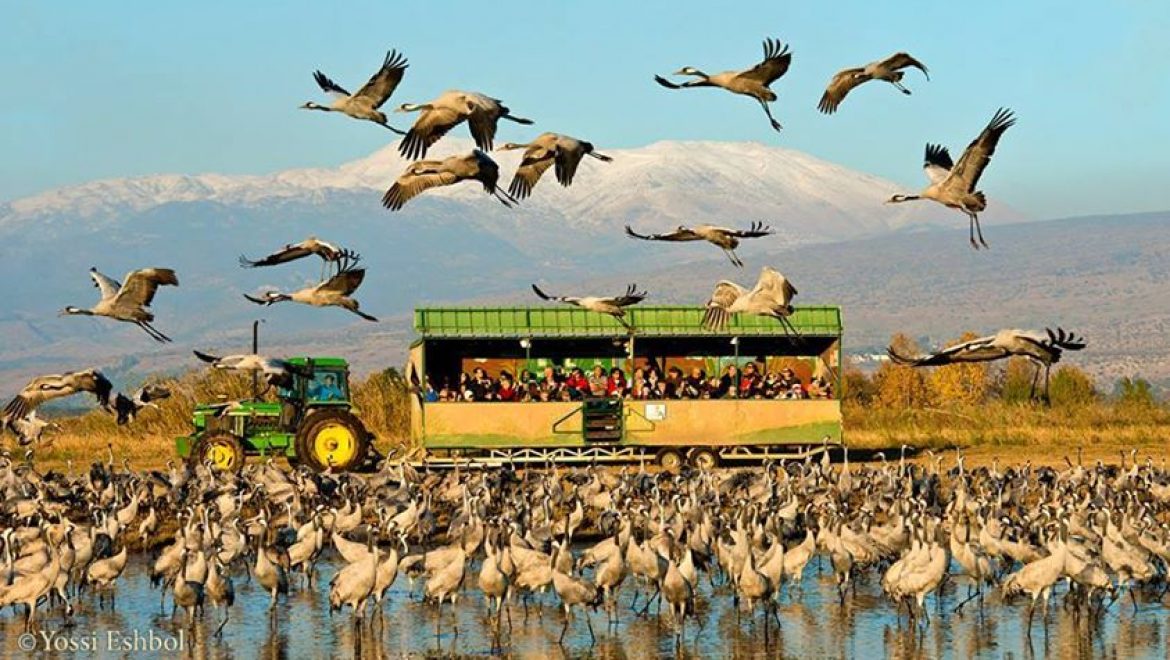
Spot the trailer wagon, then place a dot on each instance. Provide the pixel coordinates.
(705, 430)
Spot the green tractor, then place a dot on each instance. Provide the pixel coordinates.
(311, 423)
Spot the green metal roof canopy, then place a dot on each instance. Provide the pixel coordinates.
(648, 321)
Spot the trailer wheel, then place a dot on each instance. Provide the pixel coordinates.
(221, 450)
(704, 459)
(670, 460)
(332, 439)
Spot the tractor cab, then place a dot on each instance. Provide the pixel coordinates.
(326, 383)
(311, 421)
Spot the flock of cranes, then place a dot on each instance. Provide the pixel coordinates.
(130, 301)
(952, 184)
(751, 534)
(20, 413)
(662, 545)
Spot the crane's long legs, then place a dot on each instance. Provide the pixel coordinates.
(1047, 373)
(979, 230)
(971, 230)
(735, 261)
(154, 334)
(768, 111)
(791, 329)
(900, 87)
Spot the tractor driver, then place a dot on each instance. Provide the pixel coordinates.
(326, 390)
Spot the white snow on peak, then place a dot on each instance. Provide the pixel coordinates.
(658, 185)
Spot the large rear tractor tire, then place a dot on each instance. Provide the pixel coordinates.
(221, 450)
(332, 439)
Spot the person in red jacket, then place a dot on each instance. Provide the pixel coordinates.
(616, 384)
(749, 383)
(578, 383)
(507, 390)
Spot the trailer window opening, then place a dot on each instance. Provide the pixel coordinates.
(574, 369)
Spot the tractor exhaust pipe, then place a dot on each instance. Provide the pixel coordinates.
(256, 351)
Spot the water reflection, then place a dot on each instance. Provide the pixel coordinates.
(813, 624)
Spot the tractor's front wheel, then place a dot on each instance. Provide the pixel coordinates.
(221, 450)
(332, 439)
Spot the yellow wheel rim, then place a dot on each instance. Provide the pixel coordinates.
(334, 445)
(222, 454)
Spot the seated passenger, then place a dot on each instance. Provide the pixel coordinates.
(615, 385)
(597, 381)
(797, 391)
(695, 384)
(506, 390)
(551, 378)
(728, 384)
(787, 378)
(326, 390)
(711, 391)
(652, 379)
(578, 383)
(749, 383)
(819, 388)
(673, 383)
(661, 391)
(771, 385)
(429, 393)
(639, 387)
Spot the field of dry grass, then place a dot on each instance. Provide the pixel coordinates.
(1015, 432)
(1009, 431)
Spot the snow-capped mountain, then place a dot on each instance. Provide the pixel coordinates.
(662, 184)
(450, 244)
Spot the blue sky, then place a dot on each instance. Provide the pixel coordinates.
(110, 89)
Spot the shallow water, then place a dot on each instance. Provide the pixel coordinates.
(813, 624)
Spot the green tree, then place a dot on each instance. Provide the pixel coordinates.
(1014, 384)
(859, 388)
(1135, 392)
(1071, 386)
